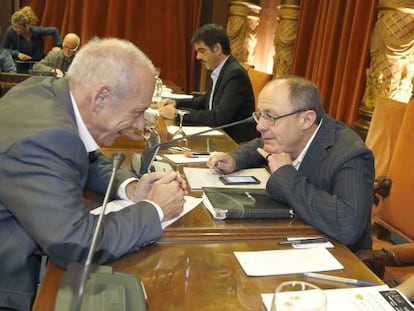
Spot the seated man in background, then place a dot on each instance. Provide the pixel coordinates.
(45, 167)
(230, 95)
(58, 60)
(319, 166)
(6, 60)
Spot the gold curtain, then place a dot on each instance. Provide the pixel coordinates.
(162, 29)
(332, 50)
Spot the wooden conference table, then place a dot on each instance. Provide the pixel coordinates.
(193, 266)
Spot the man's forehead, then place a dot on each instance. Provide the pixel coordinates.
(70, 41)
(200, 45)
(275, 95)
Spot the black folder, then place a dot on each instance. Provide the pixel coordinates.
(246, 203)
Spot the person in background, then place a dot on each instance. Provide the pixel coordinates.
(230, 95)
(320, 167)
(51, 154)
(25, 41)
(6, 60)
(58, 60)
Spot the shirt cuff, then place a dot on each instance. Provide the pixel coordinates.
(121, 193)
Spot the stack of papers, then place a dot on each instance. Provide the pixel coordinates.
(205, 177)
(280, 262)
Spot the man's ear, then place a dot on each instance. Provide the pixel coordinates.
(309, 118)
(217, 48)
(101, 97)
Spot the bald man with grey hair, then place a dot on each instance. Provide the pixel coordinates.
(51, 155)
(58, 59)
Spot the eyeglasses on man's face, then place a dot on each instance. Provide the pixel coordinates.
(74, 49)
(271, 120)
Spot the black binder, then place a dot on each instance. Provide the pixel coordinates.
(246, 203)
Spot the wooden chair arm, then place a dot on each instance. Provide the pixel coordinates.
(377, 260)
(398, 255)
(382, 188)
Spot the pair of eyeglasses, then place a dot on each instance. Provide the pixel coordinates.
(71, 49)
(271, 120)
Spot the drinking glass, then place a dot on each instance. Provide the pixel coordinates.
(298, 296)
(156, 97)
(150, 129)
(180, 132)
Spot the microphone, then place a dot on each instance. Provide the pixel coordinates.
(149, 153)
(94, 287)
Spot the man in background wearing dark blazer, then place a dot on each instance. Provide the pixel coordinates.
(319, 166)
(230, 95)
(51, 128)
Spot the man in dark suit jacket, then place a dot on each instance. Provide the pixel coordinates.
(320, 167)
(52, 125)
(230, 95)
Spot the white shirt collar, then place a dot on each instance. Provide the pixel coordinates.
(85, 136)
(298, 161)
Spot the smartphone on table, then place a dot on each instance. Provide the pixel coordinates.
(238, 180)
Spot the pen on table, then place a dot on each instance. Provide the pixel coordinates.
(304, 241)
(190, 154)
(338, 279)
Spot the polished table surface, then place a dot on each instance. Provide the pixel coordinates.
(198, 224)
(204, 276)
(193, 266)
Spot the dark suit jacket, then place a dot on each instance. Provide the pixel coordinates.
(44, 169)
(233, 100)
(332, 190)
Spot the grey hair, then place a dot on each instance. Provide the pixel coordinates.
(304, 94)
(109, 61)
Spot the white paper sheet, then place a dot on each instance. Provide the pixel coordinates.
(181, 158)
(190, 130)
(352, 299)
(280, 262)
(176, 96)
(117, 205)
(205, 177)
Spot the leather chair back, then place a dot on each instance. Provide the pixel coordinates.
(396, 211)
(383, 132)
(258, 80)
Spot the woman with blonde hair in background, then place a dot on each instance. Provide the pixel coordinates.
(25, 41)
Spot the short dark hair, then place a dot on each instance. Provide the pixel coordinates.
(211, 34)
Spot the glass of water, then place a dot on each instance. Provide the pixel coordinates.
(298, 296)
